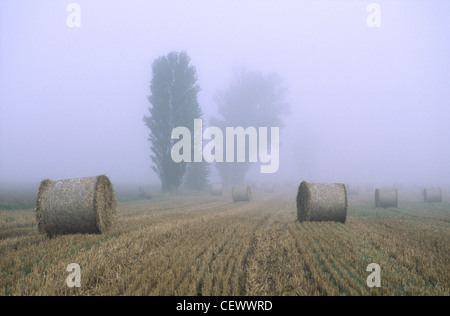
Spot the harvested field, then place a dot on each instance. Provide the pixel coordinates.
(208, 245)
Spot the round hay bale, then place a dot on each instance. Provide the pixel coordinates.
(322, 202)
(386, 198)
(80, 205)
(216, 189)
(243, 193)
(431, 195)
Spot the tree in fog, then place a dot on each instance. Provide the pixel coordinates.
(252, 99)
(174, 103)
(196, 177)
(197, 173)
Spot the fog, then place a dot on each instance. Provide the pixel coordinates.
(367, 104)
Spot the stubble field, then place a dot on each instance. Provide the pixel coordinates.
(203, 245)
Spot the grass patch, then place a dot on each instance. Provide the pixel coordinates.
(23, 205)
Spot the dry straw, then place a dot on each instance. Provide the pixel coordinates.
(386, 198)
(322, 202)
(431, 195)
(79, 205)
(243, 193)
(216, 189)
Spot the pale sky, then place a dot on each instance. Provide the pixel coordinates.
(367, 104)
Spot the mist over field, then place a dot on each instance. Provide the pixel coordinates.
(250, 147)
(366, 104)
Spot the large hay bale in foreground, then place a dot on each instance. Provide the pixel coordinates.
(216, 189)
(386, 198)
(322, 202)
(431, 195)
(79, 205)
(243, 193)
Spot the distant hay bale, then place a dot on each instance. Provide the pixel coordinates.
(216, 189)
(79, 205)
(386, 198)
(431, 195)
(322, 202)
(243, 193)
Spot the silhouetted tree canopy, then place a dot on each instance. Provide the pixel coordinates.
(252, 99)
(174, 103)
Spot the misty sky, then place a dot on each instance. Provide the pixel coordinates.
(366, 104)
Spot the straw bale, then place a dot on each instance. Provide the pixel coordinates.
(243, 193)
(432, 195)
(386, 198)
(322, 202)
(79, 205)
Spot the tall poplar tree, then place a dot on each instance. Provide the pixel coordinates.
(174, 103)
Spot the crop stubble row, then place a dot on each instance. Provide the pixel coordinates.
(209, 246)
